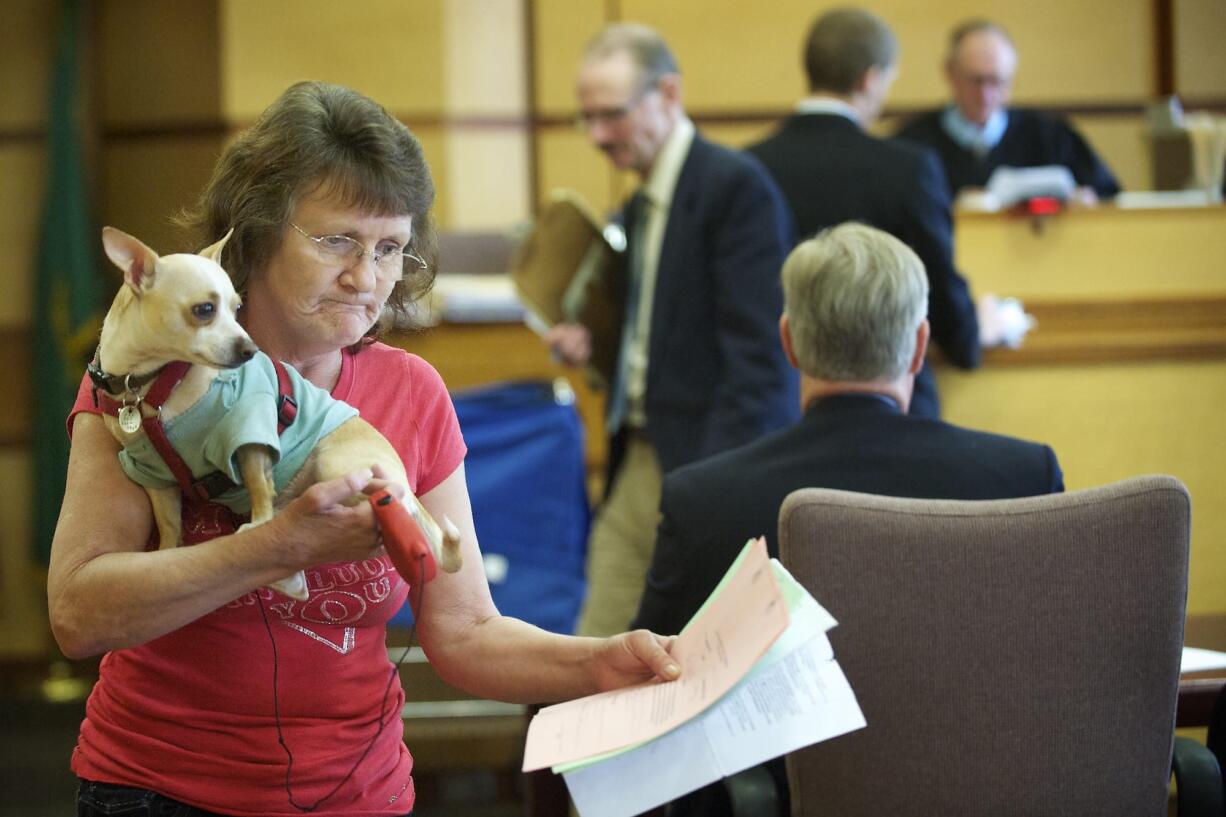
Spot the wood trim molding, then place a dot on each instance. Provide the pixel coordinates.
(1198, 693)
(217, 128)
(190, 129)
(1207, 630)
(18, 135)
(15, 357)
(530, 98)
(1164, 47)
(1100, 332)
(754, 116)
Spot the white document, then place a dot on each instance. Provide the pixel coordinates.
(794, 696)
(717, 649)
(1196, 659)
(1010, 185)
(801, 699)
(476, 298)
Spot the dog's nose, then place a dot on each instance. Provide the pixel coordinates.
(245, 350)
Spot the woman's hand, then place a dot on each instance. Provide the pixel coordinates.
(106, 592)
(325, 525)
(474, 648)
(633, 657)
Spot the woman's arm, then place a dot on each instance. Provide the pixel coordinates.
(474, 648)
(105, 592)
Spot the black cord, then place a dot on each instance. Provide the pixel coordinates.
(276, 705)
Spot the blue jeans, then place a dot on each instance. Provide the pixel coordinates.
(98, 799)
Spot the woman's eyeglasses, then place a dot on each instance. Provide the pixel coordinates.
(391, 260)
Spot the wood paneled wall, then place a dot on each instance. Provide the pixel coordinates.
(1126, 370)
(26, 41)
(1199, 58)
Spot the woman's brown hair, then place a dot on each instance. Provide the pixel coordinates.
(316, 134)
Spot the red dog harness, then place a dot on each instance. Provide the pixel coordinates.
(169, 376)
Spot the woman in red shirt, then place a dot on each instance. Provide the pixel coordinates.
(216, 692)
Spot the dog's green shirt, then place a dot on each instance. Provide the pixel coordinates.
(240, 408)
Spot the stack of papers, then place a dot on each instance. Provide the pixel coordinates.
(1013, 185)
(759, 680)
(1196, 659)
(1154, 199)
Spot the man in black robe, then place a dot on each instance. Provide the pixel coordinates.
(977, 132)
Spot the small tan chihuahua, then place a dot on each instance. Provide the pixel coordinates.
(183, 308)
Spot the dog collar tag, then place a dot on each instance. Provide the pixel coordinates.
(129, 419)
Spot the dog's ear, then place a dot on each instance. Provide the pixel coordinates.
(130, 255)
(213, 251)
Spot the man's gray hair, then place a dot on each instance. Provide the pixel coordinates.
(644, 44)
(854, 297)
(843, 44)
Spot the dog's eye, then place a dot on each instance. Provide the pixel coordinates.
(204, 311)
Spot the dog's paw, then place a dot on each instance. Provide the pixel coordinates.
(450, 560)
(250, 525)
(294, 586)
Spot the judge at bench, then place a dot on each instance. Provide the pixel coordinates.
(977, 132)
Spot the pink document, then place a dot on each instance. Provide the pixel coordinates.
(728, 635)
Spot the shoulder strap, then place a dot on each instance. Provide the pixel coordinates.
(287, 406)
(170, 377)
(167, 379)
(216, 483)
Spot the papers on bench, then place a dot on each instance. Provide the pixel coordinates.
(1155, 199)
(1196, 659)
(473, 298)
(1008, 186)
(759, 680)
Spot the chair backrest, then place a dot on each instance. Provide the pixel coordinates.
(1011, 657)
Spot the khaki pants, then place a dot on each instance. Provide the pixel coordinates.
(622, 541)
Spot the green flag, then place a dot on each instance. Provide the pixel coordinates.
(66, 314)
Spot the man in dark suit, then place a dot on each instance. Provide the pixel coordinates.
(978, 133)
(699, 367)
(831, 171)
(854, 325)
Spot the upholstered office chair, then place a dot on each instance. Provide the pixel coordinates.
(1016, 657)
(1198, 767)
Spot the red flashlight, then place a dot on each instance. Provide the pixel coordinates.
(404, 539)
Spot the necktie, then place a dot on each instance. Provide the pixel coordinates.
(637, 211)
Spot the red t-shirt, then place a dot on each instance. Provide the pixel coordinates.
(190, 714)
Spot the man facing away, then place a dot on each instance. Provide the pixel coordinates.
(699, 367)
(854, 325)
(977, 132)
(831, 171)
